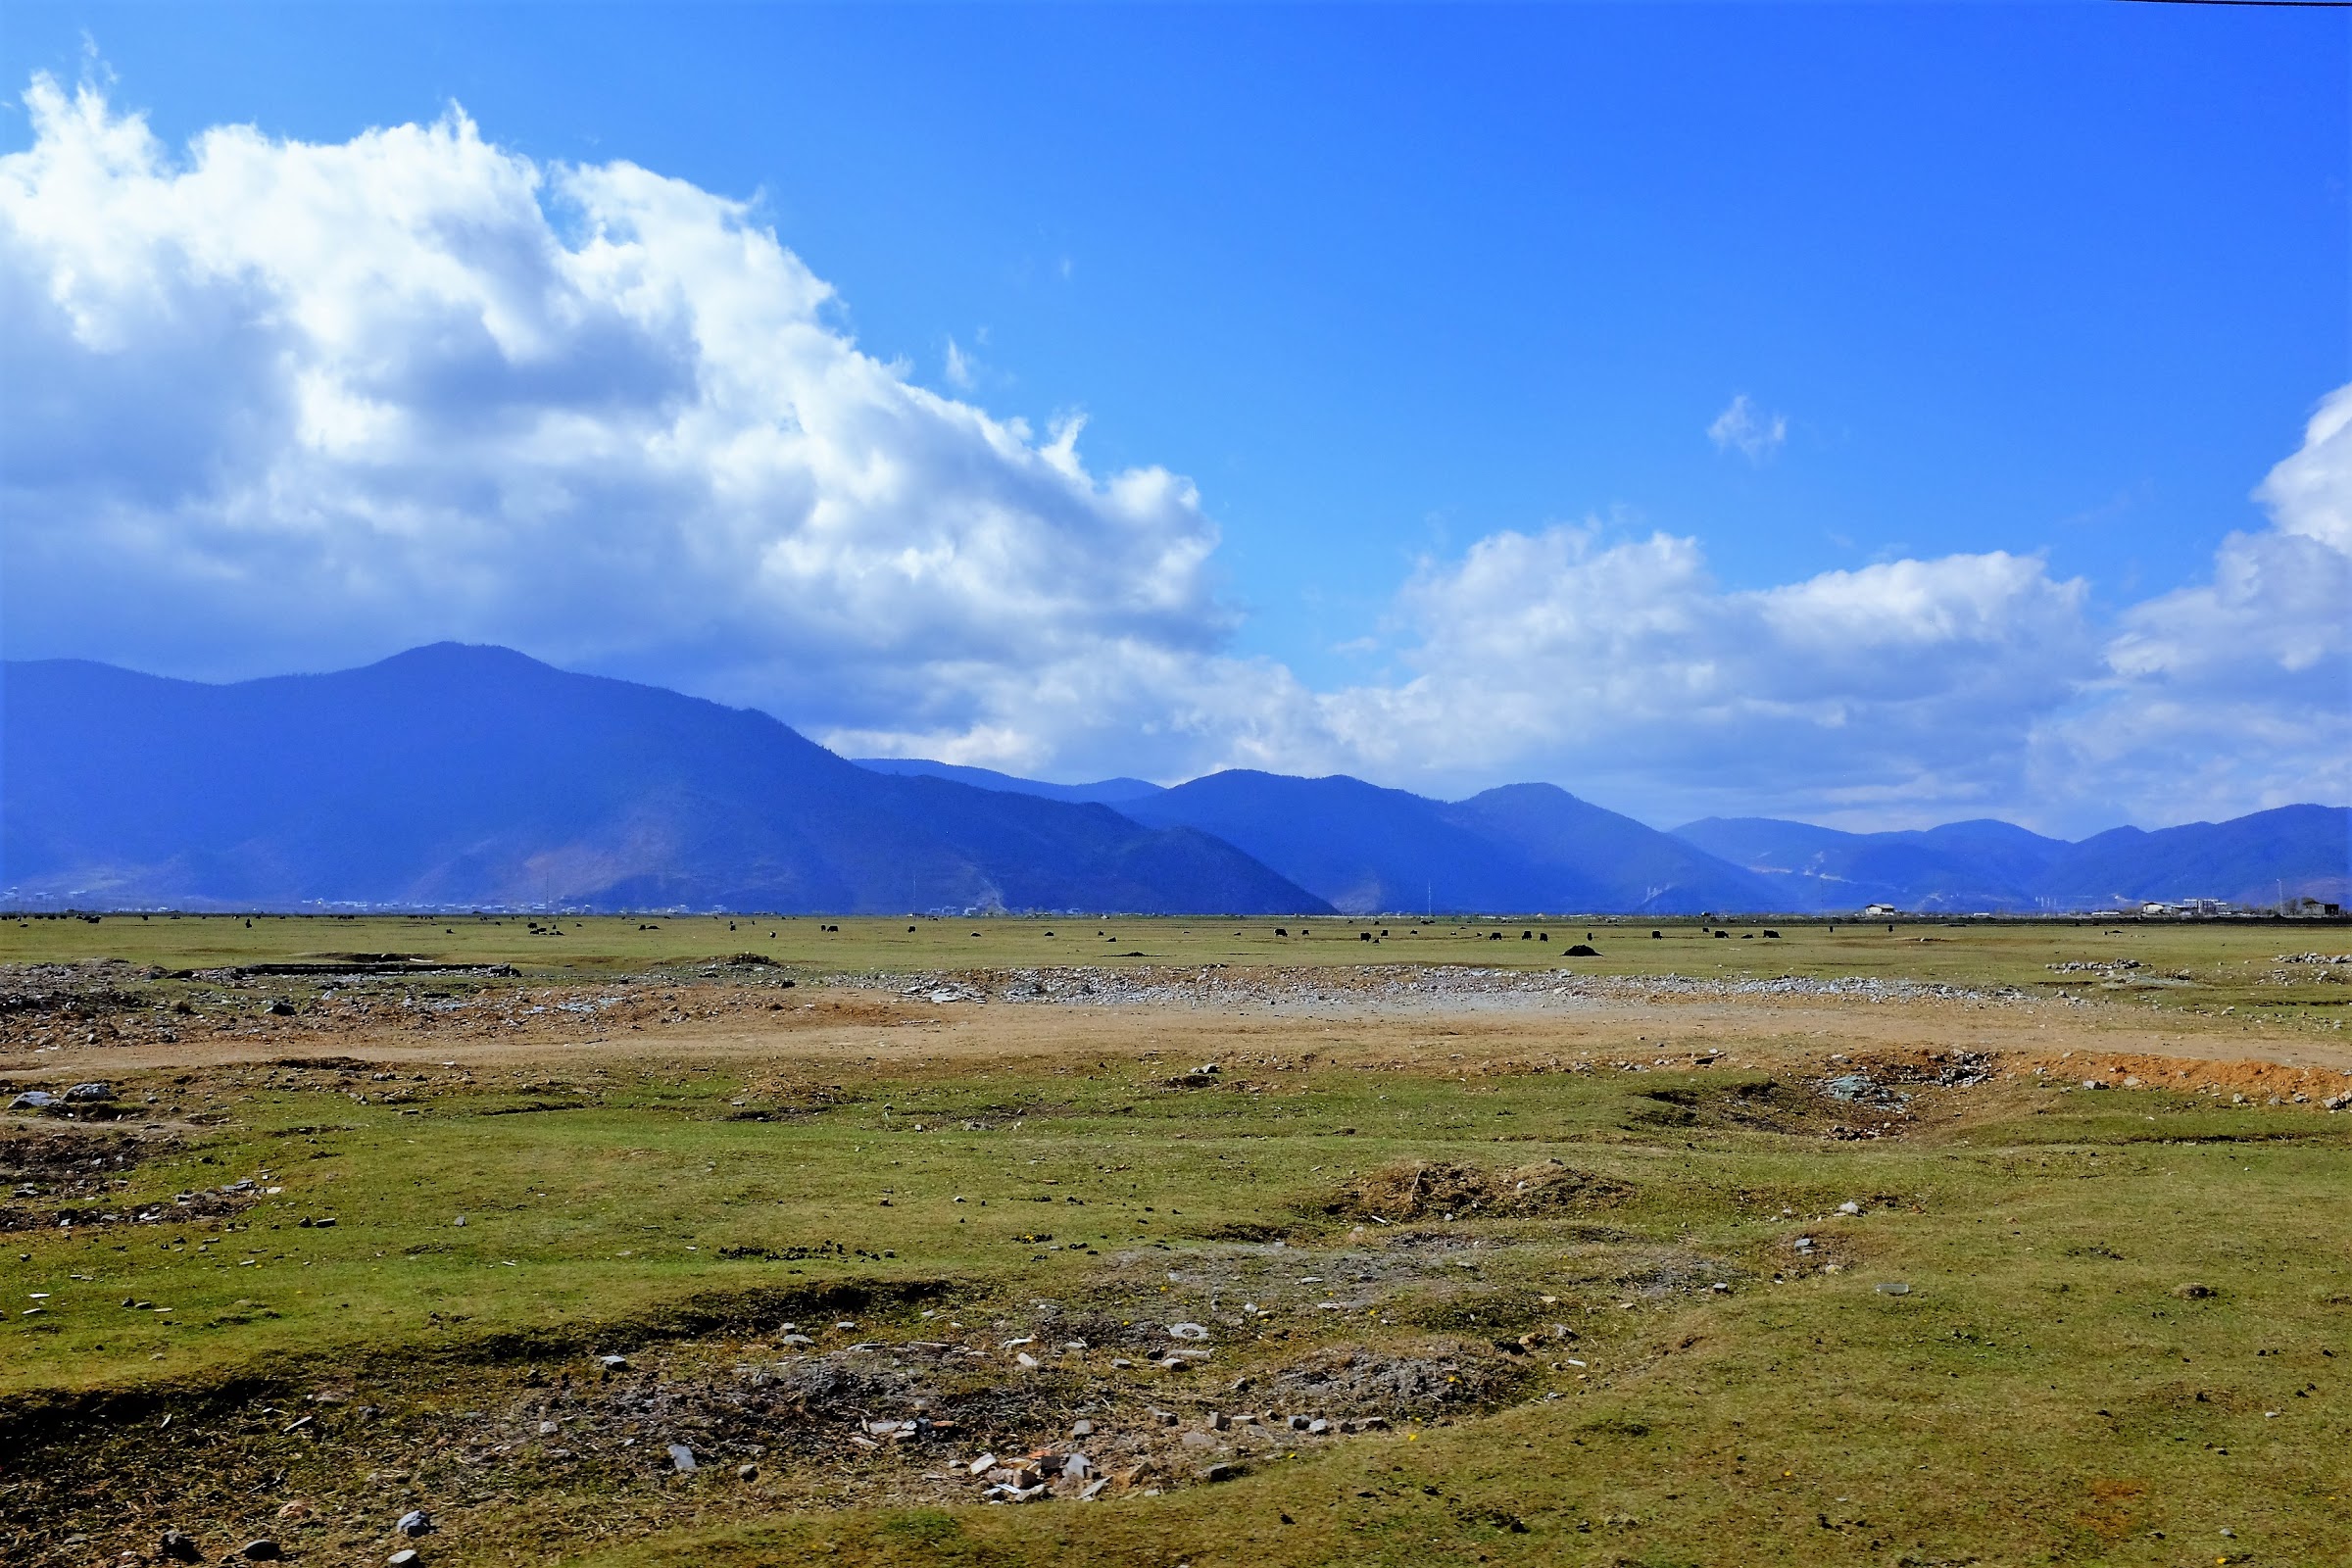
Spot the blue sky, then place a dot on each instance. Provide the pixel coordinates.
(1393, 285)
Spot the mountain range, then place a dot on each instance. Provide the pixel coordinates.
(2254, 860)
(457, 776)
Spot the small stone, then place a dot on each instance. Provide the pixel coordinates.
(1298, 1423)
(295, 1510)
(262, 1550)
(178, 1547)
(1187, 1330)
(1218, 1421)
(1318, 1426)
(681, 1458)
(747, 1472)
(613, 1363)
(34, 1099)
(1082, 1429)
(460, 1220)
(1225, 1471)
(405, 1557)
(89, 1093)
(1077, 1468)
(1849, 1207)
(1894, 1287)
(548, 1429)
(415, 1522)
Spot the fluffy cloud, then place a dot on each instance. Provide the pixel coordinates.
(2235, 693)
(278, 403)
(1627, 668)
(271, 405)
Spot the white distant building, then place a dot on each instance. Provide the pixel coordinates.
(1881, 908)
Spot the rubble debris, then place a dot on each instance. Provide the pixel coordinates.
(1413, 1188)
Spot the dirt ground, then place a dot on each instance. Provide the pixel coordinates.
(1513, 1026)
(788, 1411)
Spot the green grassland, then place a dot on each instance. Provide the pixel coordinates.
(2200, 965)
(2121, 1333)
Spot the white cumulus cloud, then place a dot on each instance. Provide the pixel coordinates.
(2235, 693)
(271, 405)
(1627, 668)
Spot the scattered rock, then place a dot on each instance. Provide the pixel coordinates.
(34, 1099)
(89, 1093)
(262, 1550)
(415, 1522)
(2194, 1292)
(177, 1547)
(1226, 1470)
(1187, 1330)
(681, 1458)
(405, 1557)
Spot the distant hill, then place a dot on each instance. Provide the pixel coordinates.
(454, 775)
(460, 777)
(1964, 866)
(1102, 791)
(1518, 849)
(2294, 849)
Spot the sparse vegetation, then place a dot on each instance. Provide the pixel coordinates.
(1621, 1276)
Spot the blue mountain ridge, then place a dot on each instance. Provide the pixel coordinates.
(2289, 851)
(454, 776)
(1518, 849)
(1101, 792)
(457, 776)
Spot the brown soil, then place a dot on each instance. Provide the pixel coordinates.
(1414, 1189)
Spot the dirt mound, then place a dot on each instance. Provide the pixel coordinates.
(43, 1170)
(1358, 1381)
(1413, 1188)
